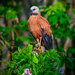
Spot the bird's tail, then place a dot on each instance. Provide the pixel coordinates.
(47, 39)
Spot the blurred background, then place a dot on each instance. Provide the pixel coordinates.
(14, 31)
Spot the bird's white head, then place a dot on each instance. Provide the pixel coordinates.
(34, 10)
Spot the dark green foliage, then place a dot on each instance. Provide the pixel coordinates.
(46, 63)
(67, 5)
(22, 26)
(59, 20)
(9, 14)
(19, 59)
(70, 62)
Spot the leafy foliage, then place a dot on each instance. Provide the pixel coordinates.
(8, 12)
(17, 28)
(59, 20)
(46, 63)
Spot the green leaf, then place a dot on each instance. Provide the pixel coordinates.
(1, 29)
(19, 49)
(55, 73)
(10, 13)
(48, 13)
(52, 0)
(58, 62)
(53, 19)
(35, 60)
(62, 20)
(8, 29)
(30, 46)
(71, 50)
(22, 38)
(67, 5)
(24, 22)
(71, 59)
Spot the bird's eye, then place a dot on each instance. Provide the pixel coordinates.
(33, 9)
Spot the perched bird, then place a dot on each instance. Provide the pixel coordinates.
(40, 29)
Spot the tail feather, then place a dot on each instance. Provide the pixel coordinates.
(47, 39)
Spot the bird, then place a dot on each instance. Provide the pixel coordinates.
(39, 27)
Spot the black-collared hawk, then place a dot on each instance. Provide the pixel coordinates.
(40, 29)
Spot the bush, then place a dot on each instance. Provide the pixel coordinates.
(47, 63)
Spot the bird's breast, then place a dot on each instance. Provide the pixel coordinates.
(33, 23)
(34, 27)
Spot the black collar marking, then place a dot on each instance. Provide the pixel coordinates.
(34, 14)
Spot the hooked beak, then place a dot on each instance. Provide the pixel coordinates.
(31, 11)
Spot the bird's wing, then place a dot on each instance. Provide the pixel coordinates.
(44, 24)
(47, 37)
(42, 20)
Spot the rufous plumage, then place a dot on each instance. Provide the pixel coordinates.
(34, 21)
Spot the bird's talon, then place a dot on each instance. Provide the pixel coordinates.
(38, 45)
